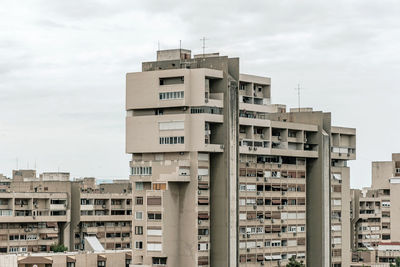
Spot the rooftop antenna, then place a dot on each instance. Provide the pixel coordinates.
(204, 45)
(180, 50)
(298, 94)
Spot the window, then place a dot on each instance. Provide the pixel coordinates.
(159, 186)
(101, 264)
(159, 261)
(138, 230)
(139, 200)
(141, 171)
(202, 246)
(171, 95)
(139, 186)
(154, 232)
(171, 125)
(139, 215)
(13, 249)
(154, 216)
(153, 201)
(171, 140)
(138, 245)
(154, 246)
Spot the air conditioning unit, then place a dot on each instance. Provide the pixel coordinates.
(279, 165)
(279, 234)
(258, 193)
(279, 137)
(247, 164)
(254, 206)
(283, 193)
(250, 148)
(265, 179)
(255, 148)
(272, 220)
(103, 206)
(199, 237)
(199, 177)
(199, 222)
(282, 221)
(262, 135)
(184, 108)
(294, 234)
(257, 179)
(206, 100)
(199, 192)
(248, 250)
(262, 263)
(261, 220)
(244, 235)
(222, 146)
(248, 235)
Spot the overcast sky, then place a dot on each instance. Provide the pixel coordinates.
(63, 65)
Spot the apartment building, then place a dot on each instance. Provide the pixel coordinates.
(38, 212)
(375, 209)
(222, 177)
(119, 258)
(104, 211)
(34, 214)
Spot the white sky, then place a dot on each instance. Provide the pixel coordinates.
(63, 65)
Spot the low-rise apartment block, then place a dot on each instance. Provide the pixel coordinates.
(38, 212)
(375, 212)
(222, 177)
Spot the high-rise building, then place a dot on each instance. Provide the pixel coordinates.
(222, 177)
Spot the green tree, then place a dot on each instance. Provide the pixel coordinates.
(294, 263)
(397, 263)
(58, 248)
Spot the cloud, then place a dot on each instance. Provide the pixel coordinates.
(64, 63)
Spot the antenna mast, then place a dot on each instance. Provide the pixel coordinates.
(298, 94)
(204, 45)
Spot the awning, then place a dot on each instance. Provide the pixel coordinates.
(260, 257)
(51, 235)
(35, 260)
(203, 200)
(203, 216)
(276, 257)
(101, 258)
(71, 259)
(51, 224)
(203, 186)
(128, 256)
(268, 258)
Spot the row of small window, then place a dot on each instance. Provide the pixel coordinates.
(150, 216)
(273, 257)
(23, 237)
(150, 246)
(171, 140)
(369, 228)
(267, 244)
(274, 187)
(172, 95)
(17, 249)
(283, 216)
(202, 246)
(139, 186)
(261, 230)
(141, 170)
(273, 202)
(150, 232)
